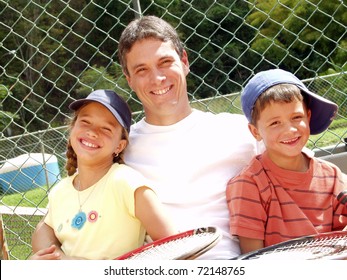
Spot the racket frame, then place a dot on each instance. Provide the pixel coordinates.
(296, 241)
(183, 256)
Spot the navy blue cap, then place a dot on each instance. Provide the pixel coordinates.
(323, 111)
(112, 101)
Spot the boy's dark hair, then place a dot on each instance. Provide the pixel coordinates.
(281, 93)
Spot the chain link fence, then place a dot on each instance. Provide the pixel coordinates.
(53, 52)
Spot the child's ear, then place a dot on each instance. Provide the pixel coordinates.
(255, 132)
(121, 146)
(308, 115)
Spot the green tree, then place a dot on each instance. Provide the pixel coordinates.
(6, 117)
(55, 43)
(303, 37)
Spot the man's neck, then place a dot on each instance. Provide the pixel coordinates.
(167, 119)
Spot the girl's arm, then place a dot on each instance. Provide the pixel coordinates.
(45, 245)
(43, 237)
(151, 213)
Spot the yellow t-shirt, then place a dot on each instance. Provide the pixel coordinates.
(106, 227)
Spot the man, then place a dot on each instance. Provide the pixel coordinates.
(189, 155)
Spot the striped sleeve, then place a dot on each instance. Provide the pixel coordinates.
(246, 207)
(340, 201)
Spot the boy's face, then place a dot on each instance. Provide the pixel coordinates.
(284, 129)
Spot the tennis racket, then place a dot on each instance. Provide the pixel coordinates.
(187, 245)
(329, 245)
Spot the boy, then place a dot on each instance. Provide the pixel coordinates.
(284, 193)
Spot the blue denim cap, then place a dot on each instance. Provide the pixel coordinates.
(112, 101)
(323, 111)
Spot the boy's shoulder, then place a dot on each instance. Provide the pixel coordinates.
(325, 164)
(250, 171)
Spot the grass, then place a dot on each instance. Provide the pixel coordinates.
(337, 131)
(32, 198)
(18, 231)
(19, 228)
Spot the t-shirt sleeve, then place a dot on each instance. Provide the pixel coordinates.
(340, 201)
(127, 182)
(247, 214)
(51, 196)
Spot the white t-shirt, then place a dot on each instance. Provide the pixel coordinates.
(189, 164)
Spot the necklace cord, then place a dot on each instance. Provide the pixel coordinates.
(78, 194)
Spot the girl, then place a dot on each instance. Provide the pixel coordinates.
(103, 209)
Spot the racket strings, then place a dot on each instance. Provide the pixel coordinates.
(310, 249)
(181, 246)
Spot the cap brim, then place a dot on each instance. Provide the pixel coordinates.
(323, 111)
(75, 105)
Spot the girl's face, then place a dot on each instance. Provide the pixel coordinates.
(96, 135)
(284, 129)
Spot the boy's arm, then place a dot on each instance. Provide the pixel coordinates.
(250, 244)
(340, 202)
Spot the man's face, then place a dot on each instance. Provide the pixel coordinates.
(158, 76)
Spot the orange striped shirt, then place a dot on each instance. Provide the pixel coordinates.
(272, 204)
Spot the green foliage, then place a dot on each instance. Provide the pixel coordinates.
(296, 27)
(334, 87)
(5, 117)
(216, 38)
(94, 78)
(102, 78)
(55, 44)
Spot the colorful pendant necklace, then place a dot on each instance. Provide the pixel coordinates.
(80, 218)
